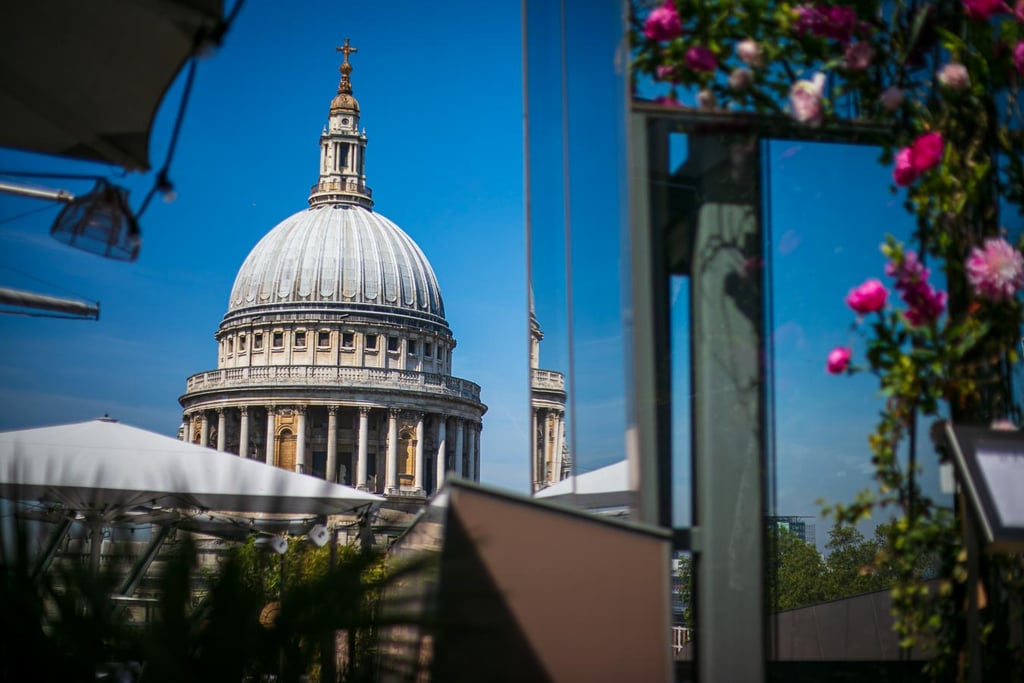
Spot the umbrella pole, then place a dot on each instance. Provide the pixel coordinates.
(95, 546)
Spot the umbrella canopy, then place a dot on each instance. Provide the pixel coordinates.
(85, 79)
(606, 487)
(102, 468)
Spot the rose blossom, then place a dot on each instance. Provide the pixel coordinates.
(924, 303)
(741, 79)
(750, 53)
(995, 271)
(667, 101)
(903, 173)
(663, 23)
(926, 152)
(954, 76)
(699, 58)
(892, 98)
(663, 72)
(858, 56)
(805, 100)
(838, 360)
(983, 10)
(868, 297)
(1018, 57)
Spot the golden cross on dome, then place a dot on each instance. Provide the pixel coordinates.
(347, 49)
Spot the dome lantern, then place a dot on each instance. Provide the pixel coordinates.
(343, 147)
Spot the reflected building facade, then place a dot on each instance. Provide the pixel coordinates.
(334, 357)
(549, 452)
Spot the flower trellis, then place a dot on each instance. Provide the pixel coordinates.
(944, 79)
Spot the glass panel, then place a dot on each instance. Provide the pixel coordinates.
(575, 203)
(827, 210)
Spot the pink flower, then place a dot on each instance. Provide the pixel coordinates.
(838, 360)
(805, 100)
(983, 10)
(892, 98)
(903, 173)
(751, 54)
(663, 72)
(667, 101)
(663, 23)
(839, 23)
(926, 152)
(741, 79)
(868, 297)
(995, 271)
(954, 76)
(924, 303)
(706, 99)
(1018, 10)
(1018, 56)
(858, 56)
(699, 58)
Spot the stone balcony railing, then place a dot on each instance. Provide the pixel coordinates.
(547, 379)
(332, 376)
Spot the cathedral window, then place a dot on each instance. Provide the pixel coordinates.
(241, 343)
(277, 341)
(323, 339)
(392, 343)
(300, 338)
(231, 345)
(371, 342)
(348, 340)
(428, 349)
(412, 347)
(257, 341)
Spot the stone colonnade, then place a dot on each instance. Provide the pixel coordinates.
(548, 446)
(384, 449)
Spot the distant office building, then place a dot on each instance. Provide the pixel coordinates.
(798, 526)
(334, 357)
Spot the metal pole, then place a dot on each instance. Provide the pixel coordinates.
(37, 192)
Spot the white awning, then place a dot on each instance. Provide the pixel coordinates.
(102, 468)
(606, 487)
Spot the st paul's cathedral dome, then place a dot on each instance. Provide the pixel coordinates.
(334, 355)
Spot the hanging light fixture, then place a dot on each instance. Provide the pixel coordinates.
(100, 222)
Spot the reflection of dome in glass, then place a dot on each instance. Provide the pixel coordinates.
(340, 255)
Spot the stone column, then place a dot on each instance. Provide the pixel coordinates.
(332, 443)
(474, 444)
(478, 428)
(459, 462)
(440, 463)
(392, 464)
(417, 481)
(187, 419)
(364, 438)
(243, 432)
(556, 475)
(536, 455)
(549, 438)
(300, 440)
(221, 432)
(270, 435)
(204, 430)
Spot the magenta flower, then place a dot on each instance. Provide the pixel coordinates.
(995, 271)
(1018, 56)
(667, 101)
(983, 10)
(903, 173)
(924, 303)
(805, 100)
(923, 155)
(663, 23)
(926, 152)
(838, 360)
(858, 56)
(839, 23)
(954, 76)
(699, 58)
(663, 72)
(869, 297)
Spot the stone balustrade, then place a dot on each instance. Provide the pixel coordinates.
(547, 379)
(335, 376)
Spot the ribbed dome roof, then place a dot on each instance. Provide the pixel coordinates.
(341, 254)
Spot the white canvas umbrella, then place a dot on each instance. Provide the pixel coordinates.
(607, 487)
(102, 468)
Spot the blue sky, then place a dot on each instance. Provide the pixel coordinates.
(440, 89)
(439, 85)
